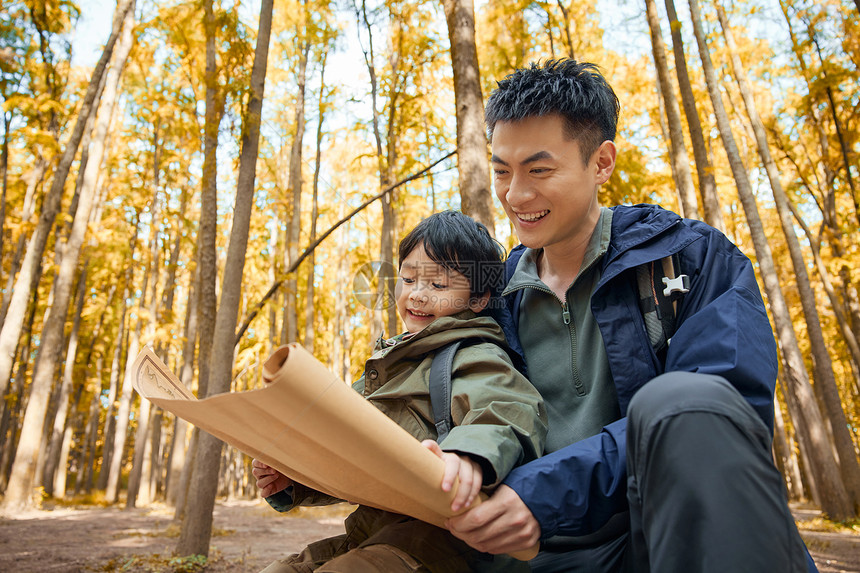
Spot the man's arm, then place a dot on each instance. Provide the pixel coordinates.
(572, 491)
(724, 330)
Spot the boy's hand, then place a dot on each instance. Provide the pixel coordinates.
(269, 480)
(463, 468)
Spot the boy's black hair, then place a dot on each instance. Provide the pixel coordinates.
(461, 244)
(575, 90)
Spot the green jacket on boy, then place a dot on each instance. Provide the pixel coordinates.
(499, 420)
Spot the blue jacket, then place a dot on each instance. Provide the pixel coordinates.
(722, 328)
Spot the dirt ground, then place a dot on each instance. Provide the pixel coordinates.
(248, 535)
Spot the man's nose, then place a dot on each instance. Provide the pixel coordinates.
(519, 192)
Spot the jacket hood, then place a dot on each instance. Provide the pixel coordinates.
(639, 236)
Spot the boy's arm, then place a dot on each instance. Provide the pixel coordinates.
(282, 493)
(499, 417)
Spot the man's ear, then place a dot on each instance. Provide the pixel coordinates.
(478, 304)
(604, 158)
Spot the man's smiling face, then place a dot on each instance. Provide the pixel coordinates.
(548, 190)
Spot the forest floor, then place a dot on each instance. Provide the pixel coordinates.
(248, 535)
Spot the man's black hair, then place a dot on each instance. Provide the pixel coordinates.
(461, 244)
(575, 90)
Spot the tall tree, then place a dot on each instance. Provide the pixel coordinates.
(386, 243)
(309, 292)
(472, 165)
(822, 177)
(825, 382)
(197, 522)
(207, 258)
(678, 153)
(835, 499)
(18, 494)
(54, 480)
(294, 192)
(24, 286)
(704, 169)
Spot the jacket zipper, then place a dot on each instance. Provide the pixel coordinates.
(571, 329)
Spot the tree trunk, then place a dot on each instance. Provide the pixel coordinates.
(207, 257)
(825, 381)
(704, 170)
(86, 461)
(33, 179)
(472, 163)
(309, 296)
(803, 455)
(197, 521)
(678, 154)
(835, 500)
(19, 492)
(54, 479)
(179, 449)
(113, 393)
(10, 415)
(121, 429)
(377, 323)
(141, 449)
(846, 313)
(835, 304)
(141, 468)
(840, 135)
(340, 344)
(24, 286)
(4, 165)
(294, 192)
(785, 457)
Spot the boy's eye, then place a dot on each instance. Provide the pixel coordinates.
(439, 286)
(407, 281)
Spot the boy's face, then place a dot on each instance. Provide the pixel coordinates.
(548, 190)
(426, 290)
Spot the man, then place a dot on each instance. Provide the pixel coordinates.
(653, 462)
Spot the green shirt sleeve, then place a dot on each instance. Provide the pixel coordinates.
(499, 417)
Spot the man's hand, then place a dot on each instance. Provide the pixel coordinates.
(269, 480)
(501, 524)
(462, 468)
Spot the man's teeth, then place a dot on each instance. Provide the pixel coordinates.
(532, 216)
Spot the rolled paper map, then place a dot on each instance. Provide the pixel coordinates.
(310, 426)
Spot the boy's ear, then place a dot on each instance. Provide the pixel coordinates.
(478, 304)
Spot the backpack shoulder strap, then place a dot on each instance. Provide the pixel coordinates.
(659, 304)
(440, 388)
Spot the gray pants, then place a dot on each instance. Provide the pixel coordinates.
(703, 491)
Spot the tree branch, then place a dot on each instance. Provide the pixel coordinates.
(277, 284)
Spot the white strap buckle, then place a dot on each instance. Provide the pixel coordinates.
(679, 284)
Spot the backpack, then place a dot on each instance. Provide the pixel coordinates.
(659, 306)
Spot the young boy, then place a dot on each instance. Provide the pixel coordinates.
(449, 266)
